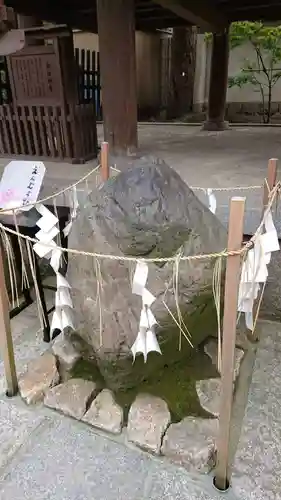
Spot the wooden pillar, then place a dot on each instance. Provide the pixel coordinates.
(183, 62)
(116, 29)
(218, 83)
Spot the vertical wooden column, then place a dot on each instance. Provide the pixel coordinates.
(232, 279)
(269, 184)
(6, 342)
(183, 62)
(116, 29)
(218, 83)
(104, 162)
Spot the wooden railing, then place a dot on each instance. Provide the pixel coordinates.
(48, 132)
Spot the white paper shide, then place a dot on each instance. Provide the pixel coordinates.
(212, 201)
(254, 269)
(146, 340)
(47, 247)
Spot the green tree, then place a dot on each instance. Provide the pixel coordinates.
(264, 70)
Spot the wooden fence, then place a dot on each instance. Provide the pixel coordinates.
(89, 85)
(53, 132)
(5, 88)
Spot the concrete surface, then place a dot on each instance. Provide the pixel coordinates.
(235, 157)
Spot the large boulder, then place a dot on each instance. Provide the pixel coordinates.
(146, 211)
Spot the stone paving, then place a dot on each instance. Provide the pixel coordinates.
(44, 455)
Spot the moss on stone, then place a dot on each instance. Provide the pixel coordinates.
(171, 376)
(200, 319)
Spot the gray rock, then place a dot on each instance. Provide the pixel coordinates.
(66, 353)
(104, 413)
(147, 210)
(271, 302)
(211, 349)
(148, 420)
(191, 443)
(72, 397)
(41, 374)
(208, 392)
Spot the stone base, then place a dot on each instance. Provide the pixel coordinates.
(215, 126)
(41, 375)
(191, 443)
(72, 397)
(148, 420)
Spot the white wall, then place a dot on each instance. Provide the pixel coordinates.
(246, 94)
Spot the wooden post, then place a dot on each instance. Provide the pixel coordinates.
(270, 180)
(6, 342)
(269, 184)
(232, 279)
(218, 82)
(116, 30)
(104, 161)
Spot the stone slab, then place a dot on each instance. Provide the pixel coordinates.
(191, 443)
(208, 391)
(104, 413)
(148, 420)
(41, 374)
(68, 461)
(72, 397)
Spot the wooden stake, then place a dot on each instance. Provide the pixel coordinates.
(270, 180)
(104, 161)
(269, 184)
(232, 279)
(6, 342)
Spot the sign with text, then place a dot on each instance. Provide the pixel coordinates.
(21, 183)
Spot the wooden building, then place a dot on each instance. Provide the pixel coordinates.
(116, 21)
(41, 114)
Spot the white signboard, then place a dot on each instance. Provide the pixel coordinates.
(21, 183)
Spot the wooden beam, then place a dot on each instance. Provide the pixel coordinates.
(242, 5)
(262, 14)
(75, 19)
(197, 12)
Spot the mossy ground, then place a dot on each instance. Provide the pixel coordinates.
(175, 383)
(171, 376)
